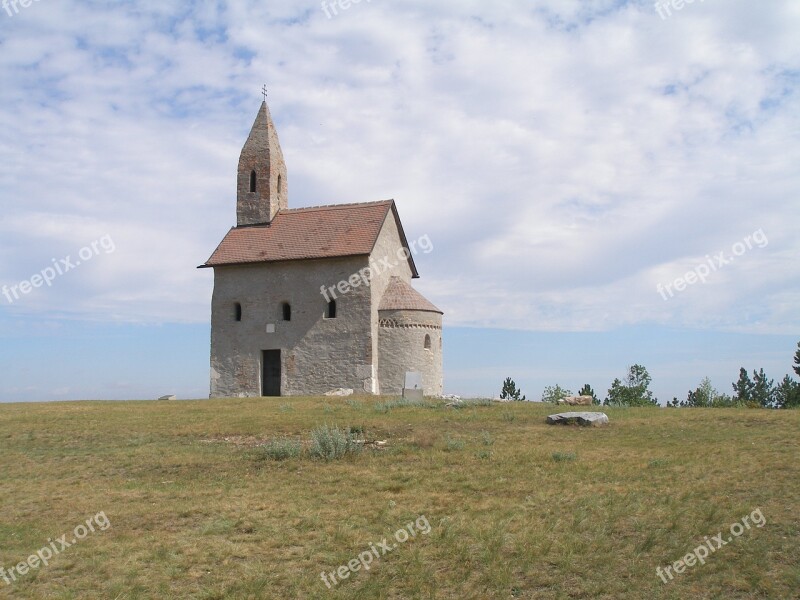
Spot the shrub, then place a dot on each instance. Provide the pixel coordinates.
(472, 403)
(453, 444)
(634, 391)
(330, 443)
(384, 407)
(564, 456)
(280, 450)
(554, 393)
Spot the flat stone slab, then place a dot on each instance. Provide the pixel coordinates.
(584, 419)
(340, 392)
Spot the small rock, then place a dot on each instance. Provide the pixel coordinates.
(584, 419)
(168, 398)
(340, 392)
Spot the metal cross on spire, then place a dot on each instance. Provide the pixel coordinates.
(264, 92)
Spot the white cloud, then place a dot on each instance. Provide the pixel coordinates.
(564, 157)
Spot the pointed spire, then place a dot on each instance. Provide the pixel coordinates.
(262, 186)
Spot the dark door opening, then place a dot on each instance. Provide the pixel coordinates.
(271, 373)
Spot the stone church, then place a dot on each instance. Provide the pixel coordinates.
(308, 300)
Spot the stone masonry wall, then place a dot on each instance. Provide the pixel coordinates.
(386, 249)
(401, 343)
(318, 354)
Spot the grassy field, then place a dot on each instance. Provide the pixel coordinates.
(516, 508)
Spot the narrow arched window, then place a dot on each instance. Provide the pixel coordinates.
(280, 180)
(253, 181)
(237, 311)
(287, 311)
(331, 313)
(427, 342)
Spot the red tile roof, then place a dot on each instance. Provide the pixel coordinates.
(399, 295)
(307, 233)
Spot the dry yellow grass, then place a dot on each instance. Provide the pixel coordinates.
(196, 511)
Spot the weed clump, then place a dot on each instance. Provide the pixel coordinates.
(280, 449)
(564, 456)
(331, 443)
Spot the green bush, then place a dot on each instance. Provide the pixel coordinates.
(453, 444)
(473, 402)
(280, 449)
(384, 407)
(330, 443)
(564, 456)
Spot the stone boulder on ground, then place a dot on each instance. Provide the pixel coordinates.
(340, 392)
(576, 400)
(584, 419)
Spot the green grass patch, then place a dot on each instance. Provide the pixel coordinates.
(194, 515)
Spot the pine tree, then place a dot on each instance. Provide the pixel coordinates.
(763, 389)
(787, 394)
(797, 360)
(510, 391)
(743, 387)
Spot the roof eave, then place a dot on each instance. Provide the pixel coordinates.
(278, 260)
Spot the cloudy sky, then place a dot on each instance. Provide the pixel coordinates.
(570, 160)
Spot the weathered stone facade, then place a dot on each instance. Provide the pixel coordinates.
(276, 273)
(410, 340)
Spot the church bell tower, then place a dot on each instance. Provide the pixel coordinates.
(262, 188)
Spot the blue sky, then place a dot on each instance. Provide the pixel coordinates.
(570, 160)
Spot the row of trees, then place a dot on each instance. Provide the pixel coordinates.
(758, 391)
(634, 390)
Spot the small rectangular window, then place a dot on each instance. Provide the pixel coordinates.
(238, 311)
(287, 311)
(331, 313)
